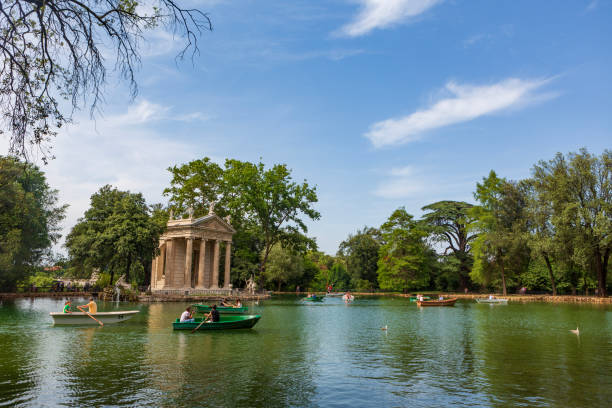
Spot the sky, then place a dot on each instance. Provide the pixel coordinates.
(379, 104)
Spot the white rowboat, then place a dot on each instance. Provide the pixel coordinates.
(492, 301)
(80, 318)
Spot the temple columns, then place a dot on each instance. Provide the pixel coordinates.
(161, 260)
(200, 284)
(169, 280)
(228, 253)
(188, 260)
(215, 271)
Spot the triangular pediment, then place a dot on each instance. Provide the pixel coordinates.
(213, 222)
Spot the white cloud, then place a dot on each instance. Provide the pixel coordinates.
(468, 102)
(592, 5)
(385, 13)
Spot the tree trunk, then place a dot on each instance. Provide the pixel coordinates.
(601, 269)
(552, 276)
(112, 276)
(279, 286)
(127, 269)
(503, 276)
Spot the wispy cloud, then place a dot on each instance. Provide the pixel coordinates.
(383, 14)
(147, 112)
(592, 5)
(467, 102)
(401, 182)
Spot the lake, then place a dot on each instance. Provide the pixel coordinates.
(312, 355)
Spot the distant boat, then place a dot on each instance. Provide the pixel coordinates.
(222, 309)
(348, 298)
(225, 323)
(492, 301)
(445, 302)
(80, 318)
(314, 298)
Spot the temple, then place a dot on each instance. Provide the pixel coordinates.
(188, 262)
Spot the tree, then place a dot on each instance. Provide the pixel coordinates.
(116, 234)
(579, 189)
(271, 202)
(501, 226)
(54, 49)
(403, 261)
(283, 265)
(29, 219)
(360, 252)
(448, 222)
(266, 206)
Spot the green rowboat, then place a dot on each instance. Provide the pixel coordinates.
(414, 298)
(222, 309)
(314, 298)
(224, 323)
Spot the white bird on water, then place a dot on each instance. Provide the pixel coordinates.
(576, 332)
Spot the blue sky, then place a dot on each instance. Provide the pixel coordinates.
(380, 104)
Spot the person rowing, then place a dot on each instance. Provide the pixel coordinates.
(93, 308)
(67, 306)
(213, 316)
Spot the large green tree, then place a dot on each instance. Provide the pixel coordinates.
(404, 256)
(283, 265)
(360, 250)
(116, 234)
(501, 245)
(578, 190)
(448, 223)
(265, 205)
(29, 219)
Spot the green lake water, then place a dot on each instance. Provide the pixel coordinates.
(312, 355)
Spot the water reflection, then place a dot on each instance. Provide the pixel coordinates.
(300, 354)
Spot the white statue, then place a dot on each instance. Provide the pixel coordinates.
(171, 214)
(211, 208)
(190, 212)
(227, 219)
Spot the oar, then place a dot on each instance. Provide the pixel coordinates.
(87, 313)
(203, 320)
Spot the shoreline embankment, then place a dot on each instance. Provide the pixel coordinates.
(511, 298)
(144, 298)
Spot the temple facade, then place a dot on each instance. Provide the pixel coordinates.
(188, 262)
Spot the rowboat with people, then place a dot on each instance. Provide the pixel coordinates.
(415, 298)
(91, 319)
(439, 302)
(225, 322)
(314, 298)
(222, 309)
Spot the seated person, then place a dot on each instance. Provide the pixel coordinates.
(238, 303)
(441, 297)
(224, 302)
(187, 316)
(67, 306)
(213, 316)
(93, 308)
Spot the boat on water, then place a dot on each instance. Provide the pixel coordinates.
(414, 298)
(221, 309)
(83, 319)
(444, 302)
(492, 301)
(348, 298)
(314, 298)
(225, 322)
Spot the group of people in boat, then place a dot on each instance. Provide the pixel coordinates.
(92, 306)
(212, 316)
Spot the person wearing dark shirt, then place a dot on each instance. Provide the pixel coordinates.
(213, 316)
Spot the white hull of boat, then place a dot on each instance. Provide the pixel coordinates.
(492, 301)
(80, 318)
